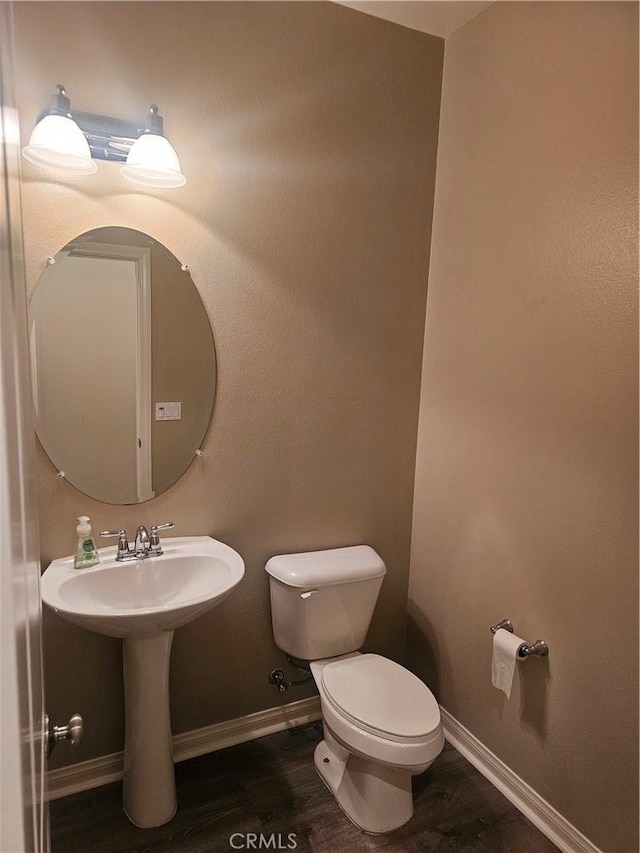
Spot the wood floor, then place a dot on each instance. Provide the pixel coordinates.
(271, 786)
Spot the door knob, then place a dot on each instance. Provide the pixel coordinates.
(71, 732)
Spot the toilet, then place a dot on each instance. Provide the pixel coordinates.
(381, 724)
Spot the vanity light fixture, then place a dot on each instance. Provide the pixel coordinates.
(57, 140)
(152, 159)
(73, 140)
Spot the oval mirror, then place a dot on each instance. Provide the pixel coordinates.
(123, 365)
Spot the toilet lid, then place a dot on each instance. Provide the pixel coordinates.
(381, 694)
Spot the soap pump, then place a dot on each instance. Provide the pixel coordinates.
(86, 554)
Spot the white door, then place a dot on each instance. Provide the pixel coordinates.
(23, 818)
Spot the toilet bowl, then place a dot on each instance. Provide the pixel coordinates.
(381, 724)
(381, 727)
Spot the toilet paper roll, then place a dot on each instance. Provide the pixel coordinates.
(503, 660)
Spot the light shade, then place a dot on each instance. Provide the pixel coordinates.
(58, 141)
(153, 161)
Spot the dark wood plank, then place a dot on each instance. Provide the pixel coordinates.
(270, 786)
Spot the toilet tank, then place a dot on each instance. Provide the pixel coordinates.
(322, 601)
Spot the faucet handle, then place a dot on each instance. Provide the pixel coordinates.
(123, 544)
(154, 541)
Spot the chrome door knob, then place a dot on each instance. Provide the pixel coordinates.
(72, 732)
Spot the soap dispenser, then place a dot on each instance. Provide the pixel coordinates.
(86, 554)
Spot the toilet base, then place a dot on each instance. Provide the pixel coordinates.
(376, 798)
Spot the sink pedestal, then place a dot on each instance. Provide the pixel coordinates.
(149, 787)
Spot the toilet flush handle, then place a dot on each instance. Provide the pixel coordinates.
(308, 593)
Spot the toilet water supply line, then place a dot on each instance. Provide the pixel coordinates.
(276, 676)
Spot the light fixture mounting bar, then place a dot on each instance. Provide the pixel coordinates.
(109, 138)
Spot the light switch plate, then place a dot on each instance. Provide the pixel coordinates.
(169, 411)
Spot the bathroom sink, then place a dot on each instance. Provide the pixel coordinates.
(143, 597)
(143, 602)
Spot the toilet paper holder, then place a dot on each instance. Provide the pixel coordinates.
(538, 649)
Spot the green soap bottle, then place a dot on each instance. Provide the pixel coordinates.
(86, 554)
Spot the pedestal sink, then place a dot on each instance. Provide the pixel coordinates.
(143, 602)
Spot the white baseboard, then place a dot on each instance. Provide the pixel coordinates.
(108, 768)
(550, 822)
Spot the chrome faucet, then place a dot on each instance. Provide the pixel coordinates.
(146, 544)
(141, 544)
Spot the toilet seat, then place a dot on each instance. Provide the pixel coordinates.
(381, 697)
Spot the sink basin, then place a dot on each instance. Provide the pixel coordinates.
(142, 597)
(143, 602)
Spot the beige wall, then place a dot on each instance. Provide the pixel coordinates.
(526, 484)
(308, 136)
